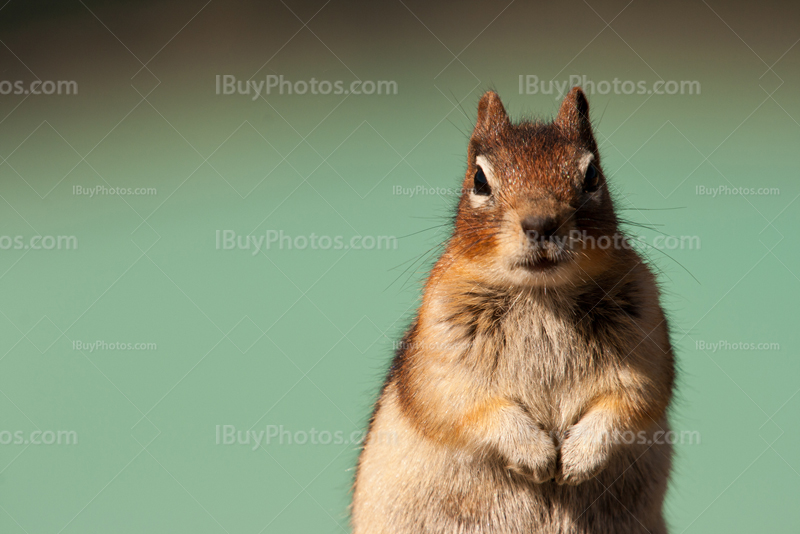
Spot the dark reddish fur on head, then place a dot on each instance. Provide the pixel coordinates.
(537, 172)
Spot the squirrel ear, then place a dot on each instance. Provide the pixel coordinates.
(573, 117)
(491, 115)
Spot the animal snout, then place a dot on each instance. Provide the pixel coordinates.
(539, 228)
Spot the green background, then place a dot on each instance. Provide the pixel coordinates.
(302, 338)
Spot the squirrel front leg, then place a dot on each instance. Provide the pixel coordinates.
(589, 443)
(506, 427)
(521, 442)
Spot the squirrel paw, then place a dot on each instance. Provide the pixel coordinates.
(538, 463)
(583, 455)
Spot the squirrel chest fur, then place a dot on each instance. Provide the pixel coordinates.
(530, 391)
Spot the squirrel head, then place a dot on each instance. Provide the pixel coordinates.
(535, 202)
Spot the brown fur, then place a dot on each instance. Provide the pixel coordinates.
(498, 409)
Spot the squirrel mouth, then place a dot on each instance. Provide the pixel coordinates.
(538, 264)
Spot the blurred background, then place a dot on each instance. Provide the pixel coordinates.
(215, 219)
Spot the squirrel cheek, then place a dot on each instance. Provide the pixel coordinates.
(477, 201)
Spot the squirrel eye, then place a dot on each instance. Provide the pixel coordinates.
(481, 184)
(591, 181)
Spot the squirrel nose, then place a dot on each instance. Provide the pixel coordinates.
(539, 227)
